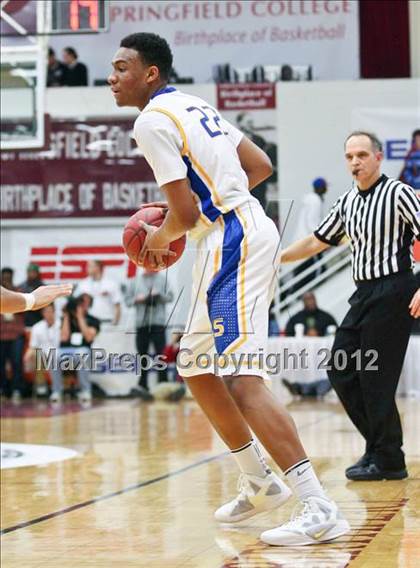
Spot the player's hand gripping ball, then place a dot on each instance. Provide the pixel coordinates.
(134, 236)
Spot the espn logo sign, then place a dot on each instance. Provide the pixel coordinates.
(70, 263)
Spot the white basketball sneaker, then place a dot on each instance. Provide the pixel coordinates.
(318, 521)
(256, 495)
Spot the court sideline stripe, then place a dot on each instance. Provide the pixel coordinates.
(110, 495)
(43, 518)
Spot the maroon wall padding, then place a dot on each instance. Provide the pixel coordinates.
(384, 39)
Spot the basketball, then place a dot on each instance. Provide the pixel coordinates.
(134, 236)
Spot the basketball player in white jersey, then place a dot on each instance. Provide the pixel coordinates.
(206, 169)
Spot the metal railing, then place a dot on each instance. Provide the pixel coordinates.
(291, 288)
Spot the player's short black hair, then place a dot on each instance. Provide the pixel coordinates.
(376, 143)
(7, 270)
(153, 49)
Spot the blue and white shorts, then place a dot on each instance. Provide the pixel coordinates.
(234, 278)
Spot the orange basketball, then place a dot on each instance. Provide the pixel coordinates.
(134, 235)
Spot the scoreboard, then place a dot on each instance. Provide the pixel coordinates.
(79, 16)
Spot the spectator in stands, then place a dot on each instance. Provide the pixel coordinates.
(45, 338)
(149, 293)
(311, 209)
(76, 74)
(311, 213)
(315, 321)
(12, 340)
(55, 70)
(410, 173)
(105, 292)
(33, 281)
(78, 331)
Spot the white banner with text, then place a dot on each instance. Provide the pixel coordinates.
(323, 34)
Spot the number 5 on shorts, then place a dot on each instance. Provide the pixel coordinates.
(218, 327)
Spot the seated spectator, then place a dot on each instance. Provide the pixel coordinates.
(76, 73)
(105, 292)
(33, 281)
(12, 341)
(45, 339)
(55, 70)
(78, 331)
(314, 320)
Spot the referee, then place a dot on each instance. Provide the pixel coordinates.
(381, 217)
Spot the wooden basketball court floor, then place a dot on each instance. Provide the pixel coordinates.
(148, 477)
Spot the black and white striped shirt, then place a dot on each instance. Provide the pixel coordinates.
(381, 224)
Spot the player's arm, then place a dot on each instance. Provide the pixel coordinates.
(13, 302)
(183, 212)
(161, 143)
(182, 216)
(304, 248)
(254, 161)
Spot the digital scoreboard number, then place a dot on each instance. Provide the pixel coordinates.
(79, 16)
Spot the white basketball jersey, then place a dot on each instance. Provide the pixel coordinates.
(183, 136)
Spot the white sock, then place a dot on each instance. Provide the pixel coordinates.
(303, 480)
(250, 460)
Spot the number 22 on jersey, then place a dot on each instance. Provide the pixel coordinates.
(206, 120)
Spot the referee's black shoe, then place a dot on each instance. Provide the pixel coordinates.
(371, 472)
(362, 462)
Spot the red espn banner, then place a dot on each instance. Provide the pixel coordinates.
(69, 263)
(90, 169)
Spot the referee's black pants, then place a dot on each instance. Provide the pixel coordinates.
(377, 322)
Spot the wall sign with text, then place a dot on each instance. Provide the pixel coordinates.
(91, 169)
